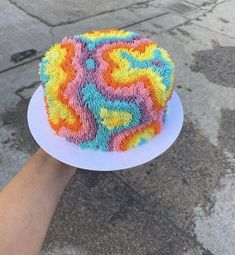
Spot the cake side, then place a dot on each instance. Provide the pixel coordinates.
(107, 89)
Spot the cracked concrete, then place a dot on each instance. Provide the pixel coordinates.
(212, 20)
(119, 219)
(73, 11)
(20, 32)
(119, 19)
(216, 64)
(181, 203)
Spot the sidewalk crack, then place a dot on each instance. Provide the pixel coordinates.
(28, 13)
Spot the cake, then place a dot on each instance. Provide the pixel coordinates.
(107, 89)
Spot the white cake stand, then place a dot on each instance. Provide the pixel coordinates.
(73, 155)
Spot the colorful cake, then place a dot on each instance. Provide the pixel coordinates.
(107, 90)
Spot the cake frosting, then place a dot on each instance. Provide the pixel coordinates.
(107, 89)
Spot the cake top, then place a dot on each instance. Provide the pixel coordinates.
(107, 89)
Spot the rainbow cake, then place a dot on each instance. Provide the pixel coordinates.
(107, 90)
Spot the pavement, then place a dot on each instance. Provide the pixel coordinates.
(181, 203)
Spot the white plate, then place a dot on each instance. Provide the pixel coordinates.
(73, 155)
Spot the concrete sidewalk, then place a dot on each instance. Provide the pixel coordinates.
(180, 203)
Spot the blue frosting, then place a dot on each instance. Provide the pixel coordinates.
(42, 72)
(92, 44)
(164, 71)
(90, 64)
(94, 100)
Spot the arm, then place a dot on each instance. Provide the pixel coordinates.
(28, 202)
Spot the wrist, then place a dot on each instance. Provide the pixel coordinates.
(54, 163)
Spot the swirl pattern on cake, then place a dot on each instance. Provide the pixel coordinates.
(107, 89)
